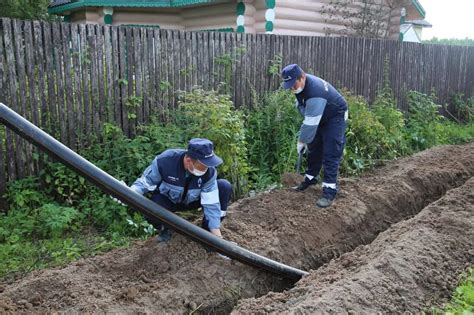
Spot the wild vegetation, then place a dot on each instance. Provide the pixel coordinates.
(58, 216)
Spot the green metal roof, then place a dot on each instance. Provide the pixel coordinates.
(71, 6)
(419, 7)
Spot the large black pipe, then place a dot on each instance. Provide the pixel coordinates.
(113, 187)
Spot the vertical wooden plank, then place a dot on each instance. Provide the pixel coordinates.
(49, 115)
(12, 100)
(3, 157)
(157, 106)
(85, 62)
(24, 157)
(239, 77)
(213, 67)
(223, 71)
(94, 77)
(149, 74)
(195, 54)
(183, 66)
(109, 73)
(204, 60)
(260, 62)
(116, 83)
(138, 53)
(131, 63)
(78, 90)
(102, 77)
(190, 65)
(165, 77)
(253, 66)
(59, 107)
(124, 34)
(40, 78)
(69, 87)
(30, 73)
(176, 68)
(170, 65)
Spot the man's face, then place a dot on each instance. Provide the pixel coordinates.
(299, 83)
(195, 165)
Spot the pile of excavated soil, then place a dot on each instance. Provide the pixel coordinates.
(283, 225)
(409, 267)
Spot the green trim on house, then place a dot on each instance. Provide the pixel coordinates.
(269, 26)
(419, 7)
(270, 4)
(240, 29)
(131, 4)
(240, 8)
(108, 19)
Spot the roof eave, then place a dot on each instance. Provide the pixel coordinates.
(131, 4)
(419, 8)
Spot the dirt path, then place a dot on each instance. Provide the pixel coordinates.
(407, 268)
(283, 225)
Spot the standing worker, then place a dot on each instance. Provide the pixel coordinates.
(322, 133)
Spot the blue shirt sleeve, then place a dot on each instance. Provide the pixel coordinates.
(312, 116)
(150, 178)
(210, 202)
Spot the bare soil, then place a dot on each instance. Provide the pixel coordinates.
(180, 277)
(410, 267)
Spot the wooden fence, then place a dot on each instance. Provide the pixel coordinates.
(69, 79)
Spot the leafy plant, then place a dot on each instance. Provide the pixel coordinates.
(423, 121)
(206, 114)
(272, 127)
(275, 65)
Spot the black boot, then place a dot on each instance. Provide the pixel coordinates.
(306, 183)
(165, 234)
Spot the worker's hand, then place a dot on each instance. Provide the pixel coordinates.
(224, 256)
(300, 147)
(115, 199)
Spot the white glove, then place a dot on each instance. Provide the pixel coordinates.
(115, 199)
(300, 147)
(224, 256)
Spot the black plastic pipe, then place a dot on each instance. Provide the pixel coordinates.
(113, 187)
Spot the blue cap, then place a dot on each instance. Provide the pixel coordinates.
(290, 74)
(203, 150)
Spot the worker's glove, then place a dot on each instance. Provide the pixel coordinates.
(115, 199)
(224, 256)
(301, 148)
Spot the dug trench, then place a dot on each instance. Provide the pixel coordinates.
(180, 277)
(411, 267)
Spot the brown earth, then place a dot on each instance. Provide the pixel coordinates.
(409, 267)
(284, 225)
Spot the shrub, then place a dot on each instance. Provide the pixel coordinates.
(272, 127)
(206, 114)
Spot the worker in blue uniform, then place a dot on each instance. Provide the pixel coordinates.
(185, 180)
(322, 133)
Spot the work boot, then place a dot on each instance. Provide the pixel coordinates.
(327, 197)
(324, 202)
(164, 236)
(306, 183)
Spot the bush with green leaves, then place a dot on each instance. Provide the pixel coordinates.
(367, 140)
(463, 108)
(207, 114)
(272, 127)
(423, 121)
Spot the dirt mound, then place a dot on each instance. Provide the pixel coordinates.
(407, 268)
(283, 225)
